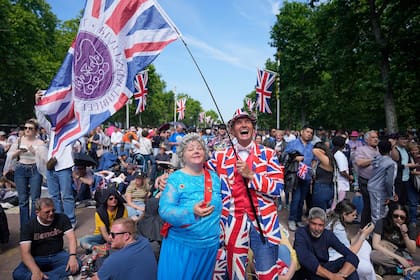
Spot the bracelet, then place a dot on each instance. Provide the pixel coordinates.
(74, 254)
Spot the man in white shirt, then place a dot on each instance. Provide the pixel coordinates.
(116, 140)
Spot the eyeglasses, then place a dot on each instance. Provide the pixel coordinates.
(401, 217)
(28, 127)
(113, 234)
(111, 198)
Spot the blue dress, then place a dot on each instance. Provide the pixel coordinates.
(189, 251)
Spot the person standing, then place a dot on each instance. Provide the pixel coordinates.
(190, 205)
(344, 177)
(41, 245)
(30, 154)
(303, 146)
(176, 137)
(324, 188)
(255, 169)
(381, 184)
(363, 159)
(59, 173)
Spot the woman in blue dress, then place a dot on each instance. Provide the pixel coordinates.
(192, 208)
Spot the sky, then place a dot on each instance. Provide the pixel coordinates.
(229, 39)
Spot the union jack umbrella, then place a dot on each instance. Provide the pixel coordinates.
(264, 88)
(181, 105)
(140, 96)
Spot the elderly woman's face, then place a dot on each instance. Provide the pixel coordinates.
(194, 153)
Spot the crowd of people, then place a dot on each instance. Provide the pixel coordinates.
(219, 192)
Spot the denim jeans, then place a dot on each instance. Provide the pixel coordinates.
(54, 266)
(88, 241)
(28, 183)
(322, 195)
(413, 201)
(265, 254)
(135, 212)
(298, 197)
(61, 192)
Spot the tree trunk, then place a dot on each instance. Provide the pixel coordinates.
(389, 103)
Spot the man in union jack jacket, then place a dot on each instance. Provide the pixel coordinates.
(251, 181)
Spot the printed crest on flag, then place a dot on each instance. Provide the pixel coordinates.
(116, 40)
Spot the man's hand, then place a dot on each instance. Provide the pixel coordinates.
(161, 181)
(38, 275)
(244, 170)
(72, 264)
(38, 95)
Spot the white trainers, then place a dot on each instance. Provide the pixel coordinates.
(292, 225)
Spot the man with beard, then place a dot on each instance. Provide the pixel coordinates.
(311, 245)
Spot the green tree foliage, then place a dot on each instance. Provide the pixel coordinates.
(351, 64)
(27, 55)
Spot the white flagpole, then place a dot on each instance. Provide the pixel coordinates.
(174, 105)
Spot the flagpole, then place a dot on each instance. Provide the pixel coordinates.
(278, 90)
(174, 105)
(127, 115)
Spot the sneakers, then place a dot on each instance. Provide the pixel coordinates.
(301, 224)
(292, 225)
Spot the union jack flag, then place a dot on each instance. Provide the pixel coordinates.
(264, 88)
(201, 116)
(181, 105)
(116, 40)
(303, 169)
(141, 95)
(250, 104)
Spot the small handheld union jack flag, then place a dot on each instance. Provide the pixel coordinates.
(264, 88)
(140, 83)
(303, 169)
(181, 108)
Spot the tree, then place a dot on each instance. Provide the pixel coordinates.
(28, 57)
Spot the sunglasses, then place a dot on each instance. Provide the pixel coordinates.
(111, 198)
(113, 234)
(28, 127)
(401, 217)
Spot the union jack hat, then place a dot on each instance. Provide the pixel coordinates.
(239, 113)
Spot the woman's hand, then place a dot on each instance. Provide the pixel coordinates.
(364, 232)
(202, 209)
(404, 262)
